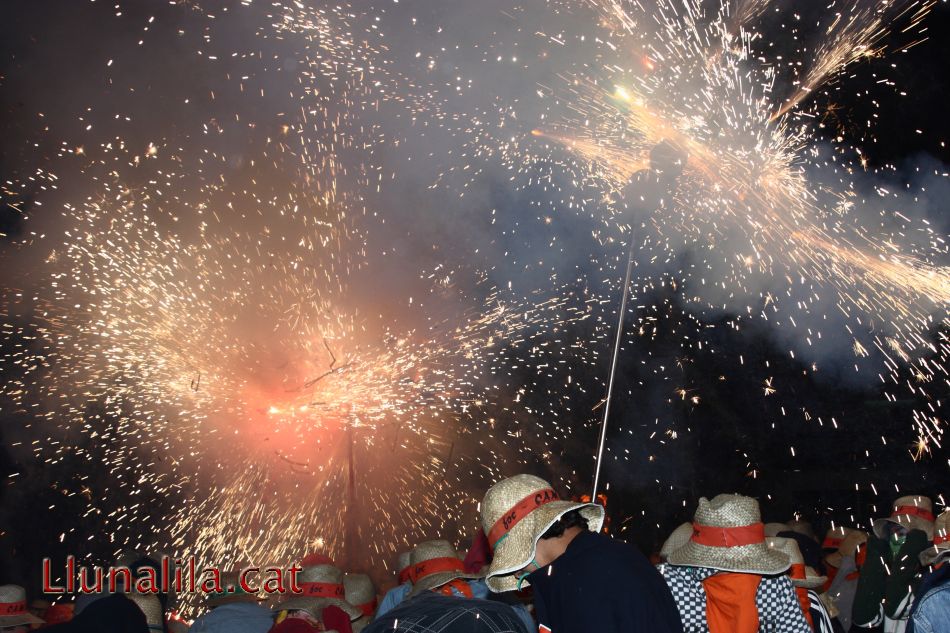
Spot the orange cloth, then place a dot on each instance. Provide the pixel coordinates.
(797, 572)
(459, 585)
(832, 572)
(730, 603)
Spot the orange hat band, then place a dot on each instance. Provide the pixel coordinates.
(323, 590)
(518, 512)
(913, 511)
(405, 575)
(13, 608)
(367, 608)
(938, 539)
(712, 536)
(436, 566)
(832, 543)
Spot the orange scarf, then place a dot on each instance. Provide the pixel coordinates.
(730, 603)
(459, 585)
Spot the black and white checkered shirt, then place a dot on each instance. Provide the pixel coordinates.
(777, 602)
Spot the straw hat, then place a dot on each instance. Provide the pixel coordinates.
(836, 536)
(846, 542)
(322, 586)
(676, 540)
(434, 563)
(13, 611)
(912, 512)
(728, 535)
(151, 606)
(232, 591)
(515, 513)
(773, 529)
(404, 568)
(802, 527)
(941, 539)
(360, 592)
(801, 575)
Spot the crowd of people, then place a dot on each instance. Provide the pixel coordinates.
(543, 563)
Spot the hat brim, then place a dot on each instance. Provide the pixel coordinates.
(904, 520)
(315, 606)
(930, 555)
(219, 601)
(519, 546)
(19, 620)
(757, 558)
(437, 580)
(812, 582)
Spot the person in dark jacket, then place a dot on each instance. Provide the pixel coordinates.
(583, 581)
(115, 614)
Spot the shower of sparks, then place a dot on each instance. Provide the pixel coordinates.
(194, 332)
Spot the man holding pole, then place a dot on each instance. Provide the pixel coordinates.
(583, 581)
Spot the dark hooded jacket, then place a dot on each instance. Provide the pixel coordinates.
(604, 585)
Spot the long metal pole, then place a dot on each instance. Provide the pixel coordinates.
(613, 367)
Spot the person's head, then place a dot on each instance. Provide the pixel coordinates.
(516, 513)
(556, 539)
(912, 512)
(14, 614)
(361, 593)
(434, 564)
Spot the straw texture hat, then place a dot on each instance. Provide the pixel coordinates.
(151, 606)
(914, 512)
(404, 567)
(728, 535)
(13, 611)
(676, 540)
(434, 563)
(801, 575)
(773, 529)
(941, 539)
(361, 593)
(836, 536)
(322, 586)
(802, 527)
(515, 513)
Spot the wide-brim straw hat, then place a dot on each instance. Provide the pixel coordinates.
(679, 537)
(515, 513)
(941, 540)
(434, 563)
(361, 593)
(728, 535)
(845, 541)
(800, 574)
(151, 606)
(233, 592)
(773, 529)
(322, 586)
(914, 512)
(804, 528)
(13, 610)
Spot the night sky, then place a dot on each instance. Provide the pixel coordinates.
(327, 273)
